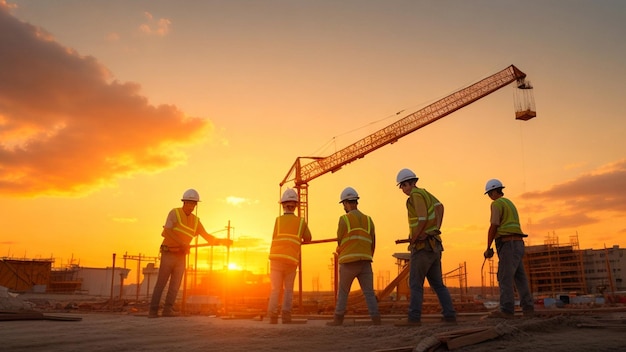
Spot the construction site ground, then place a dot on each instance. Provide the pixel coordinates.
(71, 323)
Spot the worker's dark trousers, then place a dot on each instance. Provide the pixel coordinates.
(511, 272)
(282, 277)
(426, 264)
(172, 268)
(362, 271)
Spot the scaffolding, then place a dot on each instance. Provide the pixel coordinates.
(459, 273)
(554, 268)
(147, 272)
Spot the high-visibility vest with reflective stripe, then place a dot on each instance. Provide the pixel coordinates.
(288, 238)
(431, 218)
(184, 231)
(509, 219)
(356, 244)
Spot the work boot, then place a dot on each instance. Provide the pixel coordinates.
(169, 311)
(337, 321)
(497, 314)
(153, 314)
(286, 316)
(170, 314)
(376, 320)
(273, 319)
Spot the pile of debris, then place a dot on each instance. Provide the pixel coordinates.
(12, 307)
(519, 328)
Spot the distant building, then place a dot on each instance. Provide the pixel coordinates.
(25, 275)
(98, 281)
(554, 268)
(604, 269)
(37, 275)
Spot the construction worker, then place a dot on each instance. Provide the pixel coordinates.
(290, 231)
(181, 226)
(356, 239)
(425, 214)
(506, 231)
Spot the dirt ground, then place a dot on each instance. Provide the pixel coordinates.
(601, 329)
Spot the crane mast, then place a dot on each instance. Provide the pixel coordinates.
(301, 174)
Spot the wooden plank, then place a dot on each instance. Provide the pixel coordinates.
(397, 349)
(448, 335)
(393, 284)
(429, 343)
(472, 339)
(33, 315)
(27, 315)
(603, 325)
(61, 317)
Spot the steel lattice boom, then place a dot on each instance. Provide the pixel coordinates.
(302, 174)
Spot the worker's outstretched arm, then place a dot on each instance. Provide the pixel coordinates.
(212, 240)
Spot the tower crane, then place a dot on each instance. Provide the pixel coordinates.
(302, 173)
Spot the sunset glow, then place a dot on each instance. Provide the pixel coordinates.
(110, 110)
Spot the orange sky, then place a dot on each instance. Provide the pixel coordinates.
(108, 113)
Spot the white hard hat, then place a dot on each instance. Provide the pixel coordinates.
(191, 195)
(348, 193)
(405, 175)
(493, 184)
(289, 195)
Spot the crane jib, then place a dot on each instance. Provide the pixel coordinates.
(302, 174)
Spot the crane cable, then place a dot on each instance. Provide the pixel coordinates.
(333, 140)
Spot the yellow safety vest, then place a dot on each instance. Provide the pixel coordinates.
(184, 231)
(509, 218)
(287, 239)
(356, 244)
(431, 219)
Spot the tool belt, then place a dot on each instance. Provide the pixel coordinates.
(508, 238)
(173, 250)
(430, 243)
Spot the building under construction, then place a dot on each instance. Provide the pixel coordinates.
(554, 268)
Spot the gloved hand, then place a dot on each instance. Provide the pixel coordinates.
(488, 253)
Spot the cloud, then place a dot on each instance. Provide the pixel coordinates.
(160, 27)
(582, 201)
(237, 201)
(66, 127)
(252, 244)
(112, 37)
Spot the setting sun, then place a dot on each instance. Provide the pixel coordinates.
(234, 266)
